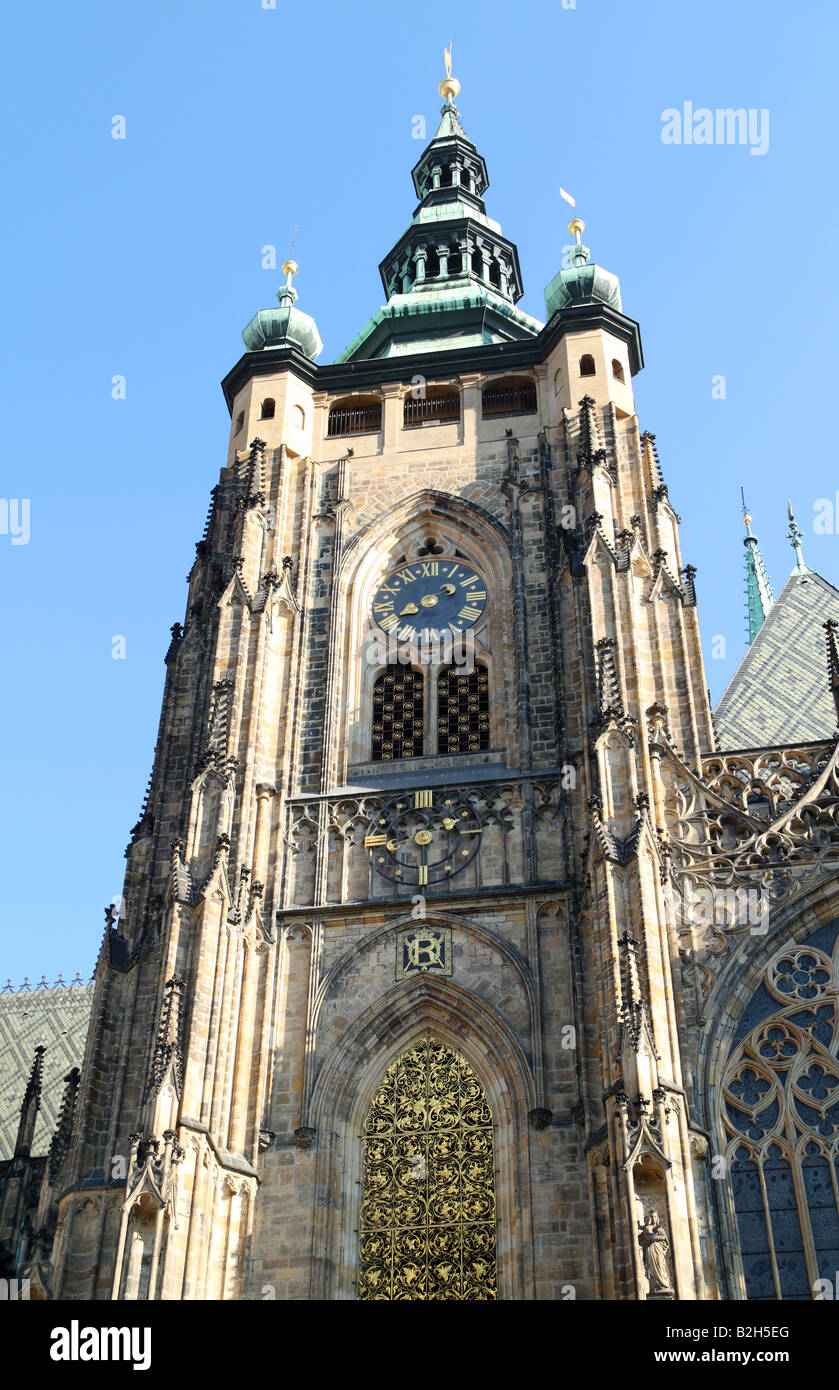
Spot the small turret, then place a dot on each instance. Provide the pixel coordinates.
(583, 282)
(285, 326)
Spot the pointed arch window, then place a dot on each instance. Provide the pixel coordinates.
(427, 1228)
(397, 714)
(780, 1099)
(462, 710)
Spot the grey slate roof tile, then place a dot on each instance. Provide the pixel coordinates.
(779, 693)
(56, 1018)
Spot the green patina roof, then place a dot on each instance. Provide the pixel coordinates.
(451, 318)
(582, 282)
(56, 1019)
(284, 326)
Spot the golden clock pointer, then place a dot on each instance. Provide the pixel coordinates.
(409, 608)
(447, 588)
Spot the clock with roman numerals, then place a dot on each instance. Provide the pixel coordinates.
(428, 600)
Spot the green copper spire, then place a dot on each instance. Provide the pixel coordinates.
(794, 536)
(759, 596)
(453, 279)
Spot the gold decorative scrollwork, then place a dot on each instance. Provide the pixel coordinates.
(427, 1226)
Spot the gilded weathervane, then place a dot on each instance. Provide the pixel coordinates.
(449, 87)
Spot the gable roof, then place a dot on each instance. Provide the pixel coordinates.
(779, 693)
(56, 1019)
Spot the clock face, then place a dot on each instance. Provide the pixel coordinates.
(423, 837)
(428, 599)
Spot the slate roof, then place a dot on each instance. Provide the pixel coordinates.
(56, 1018)
(779, 693)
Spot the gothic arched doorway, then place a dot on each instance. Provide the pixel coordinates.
(427, 1229)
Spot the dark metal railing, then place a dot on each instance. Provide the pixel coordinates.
(430, 410)
(360, 419)
(509, 400)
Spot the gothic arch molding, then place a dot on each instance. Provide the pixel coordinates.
(727, 1049)
(454, 523)
(791, 924)
(344, 1091)
(506, 949)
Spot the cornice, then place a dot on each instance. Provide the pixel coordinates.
(366, 373)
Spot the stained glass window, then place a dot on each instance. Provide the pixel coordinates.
(781, 1114)
(397, 714)
(462, 710)
(427, 1228)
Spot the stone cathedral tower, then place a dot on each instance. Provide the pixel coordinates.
(396, 1006)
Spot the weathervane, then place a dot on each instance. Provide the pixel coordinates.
(290, 267)
(449, 87)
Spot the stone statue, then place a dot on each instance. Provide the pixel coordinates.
(655, 1246)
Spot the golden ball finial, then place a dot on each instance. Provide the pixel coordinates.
(577, 227)
(290, 267)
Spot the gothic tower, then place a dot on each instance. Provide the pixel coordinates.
(390, 1010)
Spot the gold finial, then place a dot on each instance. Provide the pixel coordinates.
(290, 268)
(747, 516)
(577, 227)
(449, 88)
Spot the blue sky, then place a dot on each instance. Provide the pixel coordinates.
(141, 258)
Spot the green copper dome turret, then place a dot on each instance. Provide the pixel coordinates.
(582, 282)
(285, 326)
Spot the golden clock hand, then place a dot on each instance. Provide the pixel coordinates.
(447, 588)
(409, 608)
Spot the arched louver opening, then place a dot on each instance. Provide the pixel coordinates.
(617, 369)
(513, 396)
(587, 367)
(462, 710)
(438, 406)
(397, 714)
(355, 415)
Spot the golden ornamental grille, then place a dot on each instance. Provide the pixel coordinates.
(397, 714)
(427, 1229)
(463, 711)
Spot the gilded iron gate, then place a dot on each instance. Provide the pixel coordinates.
(427, 1226)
